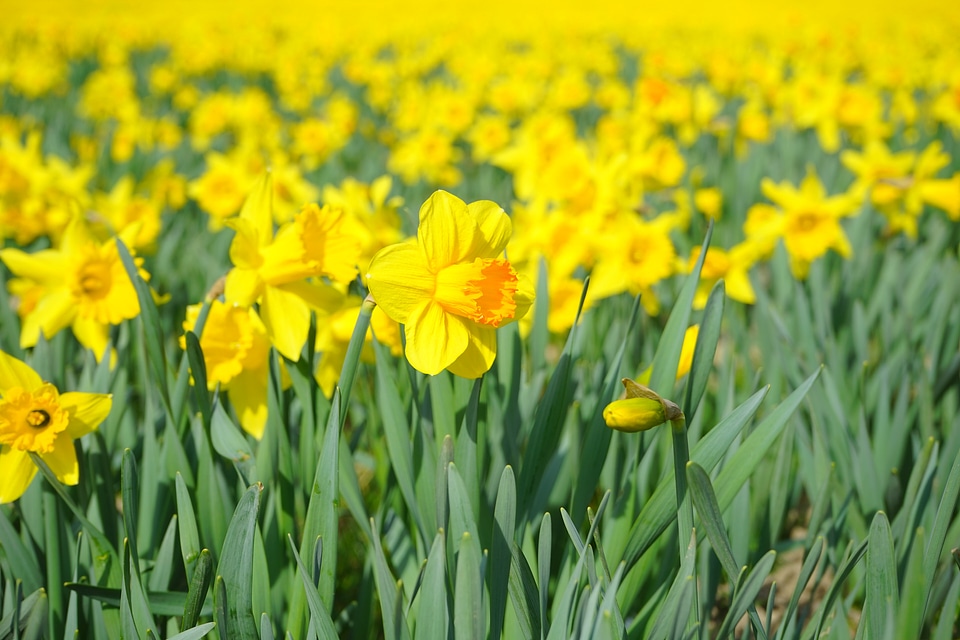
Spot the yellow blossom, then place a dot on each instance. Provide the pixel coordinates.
(36, 418)
(450, 289)
(84, 286)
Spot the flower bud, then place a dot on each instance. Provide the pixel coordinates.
(642, 409)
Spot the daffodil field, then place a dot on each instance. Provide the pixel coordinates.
(423, 320)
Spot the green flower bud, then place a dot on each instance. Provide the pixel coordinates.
(642, 409)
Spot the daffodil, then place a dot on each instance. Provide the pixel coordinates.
(36, 418)
(811, 220)
(82, 285)
(236, 355)
(274, 270)
(451, 288)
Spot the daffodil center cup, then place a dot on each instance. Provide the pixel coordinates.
(93, 278)
(483, 290)
(31, 420)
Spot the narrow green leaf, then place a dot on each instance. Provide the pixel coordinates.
(228, 440)
(843, 572)
(153, 334)
(938, 534)
(524, 595)
(198, 370)
(394, 622)
(236, 566)
(200, 582)
(661, 509)
(163, 562)
(742, 464)
(544, 547)
(806, 571)
(187, 523)
(667, 356)
(882, 589)
(706, 348)
(909, 615)
(318, 611)
(433, 618)
(501, 555)
(461, 511)
(351, 360)
(468, 614)
(194, 633)
(746, 593)
(23, 563)
(396, 431)
(673, 613)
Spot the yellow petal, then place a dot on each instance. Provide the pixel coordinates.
(287, 319)
(16, 472)
(93, 335)
(243, 286)
(494, 225)
(435, 338)
(480, 354)
(258, 209)
(399, 280)
(15, 373)
(52, 313)
(447, 231)
(86, 411)
(248, 395)
(47, 266)
(63, 461)
(739, 287)
(75, 237)
(245, 247)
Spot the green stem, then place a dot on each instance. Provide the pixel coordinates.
(52, 528)
(681, 457)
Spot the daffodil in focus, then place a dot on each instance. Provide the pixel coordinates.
(451, 288)
(36, 418)
(82, 285)
(642, 409)
(236, 354)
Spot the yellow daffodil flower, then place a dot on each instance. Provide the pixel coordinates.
(274, 269)
(82, 285)
(235, 351)
(36, 418)
(450, 289)
(811, 220)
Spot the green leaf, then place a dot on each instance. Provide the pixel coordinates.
(194, 633)
(23, 563)
(524, 595)
(546, 431)
(843, 572)
(236, 567)
(938, 534)
(187, 522)
(394, 622)
(199, 586)
(882, 590)
(433, 618)
(318, 611)
(706, 348)
(396, 432)
(468, 614)
(661, 509)
(230, 443)
(30, 612)
(152, 329)
(742, 464)
(198, 369)
(806, 571)
(746, 593)
(501, 554)
(667, 356)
